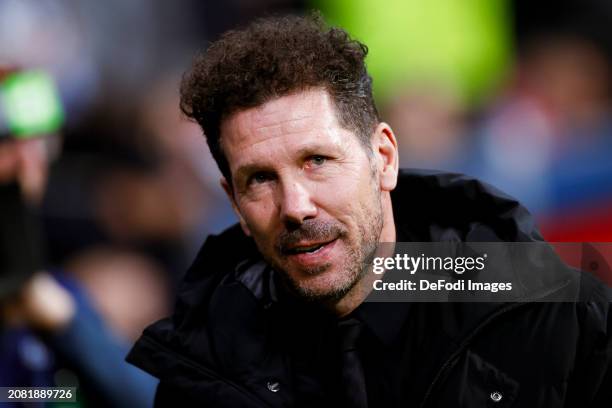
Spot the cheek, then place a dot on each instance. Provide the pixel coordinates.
(261, 218)
(347, 181)
(347, 200)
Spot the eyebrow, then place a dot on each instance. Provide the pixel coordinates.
(248, 169)
(314, 149)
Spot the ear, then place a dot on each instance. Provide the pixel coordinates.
(384, 148)
(229, 190)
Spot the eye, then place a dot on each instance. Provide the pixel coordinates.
(317, 160)
(260, 178)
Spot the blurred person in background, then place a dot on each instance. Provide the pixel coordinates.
(51, 330)
(548, 137)
(117, 224)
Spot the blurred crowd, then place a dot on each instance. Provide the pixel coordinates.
(516, 92)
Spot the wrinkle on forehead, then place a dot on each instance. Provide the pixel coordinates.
(275, 128)
(307, 111)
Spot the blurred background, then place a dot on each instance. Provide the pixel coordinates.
(515, 92)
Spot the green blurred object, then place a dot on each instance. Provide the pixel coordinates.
(31, 103)
(462, 45)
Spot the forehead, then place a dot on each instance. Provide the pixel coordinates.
(283, 124)
(289, 113)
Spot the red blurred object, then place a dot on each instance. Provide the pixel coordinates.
(591, 231)
(587, 224)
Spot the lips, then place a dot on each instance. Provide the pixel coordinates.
(305, 248)
(308, 254)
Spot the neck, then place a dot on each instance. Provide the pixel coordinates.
(363, 287)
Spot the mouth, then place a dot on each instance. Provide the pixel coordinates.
(306, 248)
(310, 253)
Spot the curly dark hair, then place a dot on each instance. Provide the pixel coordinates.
(273, 57)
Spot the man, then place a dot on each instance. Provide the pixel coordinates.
(272, 313)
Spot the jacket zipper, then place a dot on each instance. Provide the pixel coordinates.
(207, 372)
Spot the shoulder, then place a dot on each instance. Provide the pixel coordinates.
(211, 298)
(432, 205)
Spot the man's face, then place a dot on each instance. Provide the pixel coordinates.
(306, 190)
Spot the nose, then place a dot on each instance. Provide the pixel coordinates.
(296, 203)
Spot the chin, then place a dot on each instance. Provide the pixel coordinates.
(325, 286)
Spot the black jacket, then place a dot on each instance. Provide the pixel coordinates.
(219, 348)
